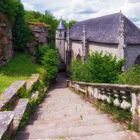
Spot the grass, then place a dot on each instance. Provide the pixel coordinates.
(19, 68)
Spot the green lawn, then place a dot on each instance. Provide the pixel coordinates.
(19, 68)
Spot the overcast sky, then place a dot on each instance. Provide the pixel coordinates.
(85, 9)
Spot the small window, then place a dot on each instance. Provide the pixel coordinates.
(60, 42)
(60, 35)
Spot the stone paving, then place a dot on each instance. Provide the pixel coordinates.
(65, 116)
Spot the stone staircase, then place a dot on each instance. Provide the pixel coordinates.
(13, 107)
(65, 116)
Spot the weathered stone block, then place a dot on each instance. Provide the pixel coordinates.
(34, 79)
(10, 94)
(6, 118)
(19, 112)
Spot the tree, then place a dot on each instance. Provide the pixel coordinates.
(20, 30)
(7, 7)
(51, 63)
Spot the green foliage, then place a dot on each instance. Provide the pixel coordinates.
(14, 10)
(42, 49)
(99, 67)
(5, 8)
(78, 71)
(51, 63)
(70, 23)
(21, 32)
(119, 114)
(132, 76)
(19, 68)
(33, 103)
(48, 18)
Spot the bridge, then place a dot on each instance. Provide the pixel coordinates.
(64, 115)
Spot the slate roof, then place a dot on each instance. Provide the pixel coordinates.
(106, 30)
(61, 25)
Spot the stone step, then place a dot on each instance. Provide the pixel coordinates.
(58, 104)
(10, 95)
(19, 112)
(45, 132)
(97, 119)
(6, 118)
(65, 113)
(79, 123)
(61, 117)
(122, 135)
(74, 121)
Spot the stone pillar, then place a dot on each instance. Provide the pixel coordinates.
(122, 42)
(84, 44)
(135, 109)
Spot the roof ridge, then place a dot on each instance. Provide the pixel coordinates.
(107, 29)
(100, 17)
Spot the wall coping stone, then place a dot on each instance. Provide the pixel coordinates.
(19, 112)
(33, 79)
(125, 87)
(6, 118)
(10, 93)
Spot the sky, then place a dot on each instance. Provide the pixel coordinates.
(86, 9)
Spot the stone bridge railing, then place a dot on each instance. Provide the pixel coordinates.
(124, 96)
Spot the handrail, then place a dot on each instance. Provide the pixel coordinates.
(123, 96)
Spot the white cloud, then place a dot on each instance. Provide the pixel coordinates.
(85, 9)
(28, 6)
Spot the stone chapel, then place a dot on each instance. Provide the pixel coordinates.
(114, 34)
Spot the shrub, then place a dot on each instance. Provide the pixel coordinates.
(42, 49)
(132, 76)
(51, 64)
(99, 67)
(104, 67)
(78, 71)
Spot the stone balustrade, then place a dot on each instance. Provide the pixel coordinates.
(122, 96)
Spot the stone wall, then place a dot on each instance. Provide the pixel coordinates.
(132, 52)
(6, 50)
(17, 103)
(94, 47)
(41, 36)
(76, 49)
(105, 48)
